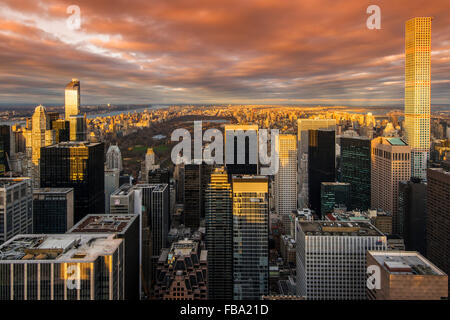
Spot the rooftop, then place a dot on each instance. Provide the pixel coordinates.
(52, 190)
(9, 182)
(124, 190)
(72, 144)
(340, 228)
(396, 142)
(104, 223)
(405, 262)
(59, 247)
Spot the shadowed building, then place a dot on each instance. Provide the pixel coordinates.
(77, 165)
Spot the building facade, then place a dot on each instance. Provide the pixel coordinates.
(331, 258)
(418, 92)
(250, 237)
(16, 207)
(390, 164)
(286, 178)
(77, 165)
(219, 235)
(355, 169)
(53, 210)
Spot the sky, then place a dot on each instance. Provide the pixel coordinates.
(306, 52)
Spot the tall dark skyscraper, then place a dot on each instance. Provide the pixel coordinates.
(355, 169)
(77, 165)
(438, 221)
(5, 147)
(155, 216)
(250, 143)
(219, 235)
(192, 195)
(412, 202)
(321, 163)
(334, 194)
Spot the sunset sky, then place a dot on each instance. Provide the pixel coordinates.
(208, 51)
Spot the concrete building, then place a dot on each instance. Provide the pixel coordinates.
(122, 200)
(405, 275)
(182, 272)
(114, 158)
(418, 92)
(16, 207)
(63, 267)
(286, 178)
(126, 227)
(391, 163)
(111, 184)
(331, 258)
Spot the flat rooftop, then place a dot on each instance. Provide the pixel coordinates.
(339, 228)
(104, 223)
(156, 187)
(52, 190)
(124, 190)
(58, 247)
(9, 182)
(405, 262)
(72, 144)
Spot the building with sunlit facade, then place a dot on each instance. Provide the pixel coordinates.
(286, 178)
(250, 237)
(418, 92)
(72, 99)
(77, 165)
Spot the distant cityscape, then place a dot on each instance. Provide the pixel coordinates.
(93, 207)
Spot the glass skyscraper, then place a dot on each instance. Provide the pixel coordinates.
(77, 165)
(355, 169)
(250, 237)
(219, 235)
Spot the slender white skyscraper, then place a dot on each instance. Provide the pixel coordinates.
(286, 179)
(418, 92)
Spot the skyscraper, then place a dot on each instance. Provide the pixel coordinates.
(303, 127)
(321, 163)
(286, 178)
(355, 169)
(390, 164)
(248, 143)
(412, 210)
(16, 207)
(334, 194)
(52, 210)
(219, 235)
(155, 215)
(39, 136)
(438, 221)
(77, 165)
(250, 237)
(78, 128)
(114, 158)
(72, 99)
(418, 92)
(331, 258)
(192, 195)
(111, 184)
